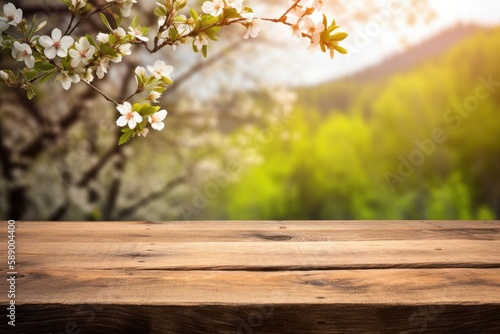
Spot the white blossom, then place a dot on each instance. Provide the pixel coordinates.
(87, 75)
(128, 116)
(153, 96)
(22, 52)
(253, 29)
(313, 29)
(78, 4)
(66, 80)
(200, 41)
(83, 52)
(157, 118)
(119, 32)
(137, 33)
(56, 45)
(140, 73)
(316, 4)
(102, 37)
(213, 8)
(125, 6)
(102, 68)
(12, 14)
(144, 132)
(160, 69)
(236, 4)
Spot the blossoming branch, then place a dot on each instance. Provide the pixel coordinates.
(74, 58)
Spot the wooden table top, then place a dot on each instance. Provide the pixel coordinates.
(255, 277)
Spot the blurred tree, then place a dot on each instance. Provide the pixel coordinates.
(58, 152)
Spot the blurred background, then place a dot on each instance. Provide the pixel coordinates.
(406, 126)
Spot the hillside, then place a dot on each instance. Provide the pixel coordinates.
(421, 143)
(337, 94)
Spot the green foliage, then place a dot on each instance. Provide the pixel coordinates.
(330, 164)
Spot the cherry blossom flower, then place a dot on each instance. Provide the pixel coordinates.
(296, 30)
(3, 26)
(137, 33)
(66, 80)
(102, 37)
(236, 4)
(128, 116)
(56, 45)
(22, 52)
(249, 16)
(160, 69)
(87, 75)
(316, 4)
(157, 118)
(140, 76)
(183, 24)
(83, 53)
(253, 29)
(123, 50)
(102, 68)
(298, 11)
(125, 6)
(78, 4)
(119, 32)
(13, 15)
(153, 96)
(313, 29)
(144, 132)
(213, 8)
(200, 41)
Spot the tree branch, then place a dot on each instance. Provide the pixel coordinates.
(169, 186)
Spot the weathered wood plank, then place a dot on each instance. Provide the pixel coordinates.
(261, 255)
(347, 301)
(256, 235)
(257, 277)
(156, 287)
(264, 225)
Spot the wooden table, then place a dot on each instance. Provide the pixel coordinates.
(256, 277)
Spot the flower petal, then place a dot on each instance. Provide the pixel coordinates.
(56, 34)
(45, 41)
(121, 121)
(50, 52)
(161, 114)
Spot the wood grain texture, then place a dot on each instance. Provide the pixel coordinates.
(256, 277)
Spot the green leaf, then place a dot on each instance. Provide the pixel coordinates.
(104, 20)
(135, 22)
(159, 11)
(30, 92)
(32, 28)
(44, 78)
(194, 14)
(125, 138)
(204, 51)
(180, 4)
(108, 51)
(231, 13)
(44, 66)
(91, 41)
(30, 75)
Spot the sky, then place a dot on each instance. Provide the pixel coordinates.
(301, 67)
